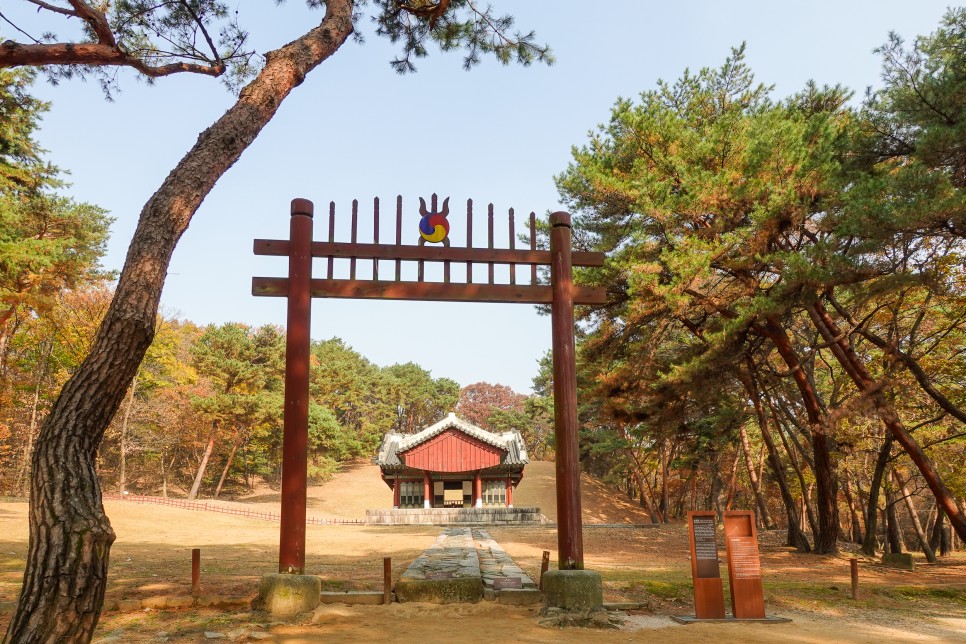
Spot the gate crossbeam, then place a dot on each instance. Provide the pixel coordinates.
(432, 291)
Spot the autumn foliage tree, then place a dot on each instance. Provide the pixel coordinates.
(753, 244)
(479, 401)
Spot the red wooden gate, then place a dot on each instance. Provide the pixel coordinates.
(299, 288)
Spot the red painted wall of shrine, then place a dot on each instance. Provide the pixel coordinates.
(452, 451)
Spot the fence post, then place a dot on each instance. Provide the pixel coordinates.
(387, 580)
(544, 567)
(854, 566)
(195, 572)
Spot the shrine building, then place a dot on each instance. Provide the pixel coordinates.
(452, 464)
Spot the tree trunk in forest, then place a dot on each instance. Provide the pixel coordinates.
(855, 367)
(23, 476)
(665, 474)
(231, 457)
(872, 514)
(638, 476)
(164, 477)
(122, 475)
(715, 492)
(200, 474)
(766, 519)
(679, 511)
(807, 514)
(733, 484)
(893, 528)
(939, 540)
(826, 538)
(914, 516)
(860, 494)
(70, 535)
(856, 527)
(796, 538)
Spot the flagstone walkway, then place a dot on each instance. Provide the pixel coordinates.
(466, 565)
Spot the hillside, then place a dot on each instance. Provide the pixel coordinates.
(359, 487)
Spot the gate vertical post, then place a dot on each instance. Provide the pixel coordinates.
(570, 542)
(291, 551)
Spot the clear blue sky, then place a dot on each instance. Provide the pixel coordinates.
(496, 134)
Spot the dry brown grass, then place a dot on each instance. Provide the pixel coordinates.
(645, 564)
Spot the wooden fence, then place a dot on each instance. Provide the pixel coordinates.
(213, 507)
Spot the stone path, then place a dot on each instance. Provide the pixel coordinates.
(465, 565)
(503, 580)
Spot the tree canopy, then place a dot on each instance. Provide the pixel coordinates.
(755, 246)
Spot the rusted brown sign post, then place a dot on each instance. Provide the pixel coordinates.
(434, 228)
(744, 565)
(708, 590)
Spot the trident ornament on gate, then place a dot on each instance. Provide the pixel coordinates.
(433, 227)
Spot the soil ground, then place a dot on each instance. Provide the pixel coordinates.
(639, 563)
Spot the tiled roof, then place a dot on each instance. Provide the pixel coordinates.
(511, 443)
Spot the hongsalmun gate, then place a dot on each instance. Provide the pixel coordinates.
(452, 468)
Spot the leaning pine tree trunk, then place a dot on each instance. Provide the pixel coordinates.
(70, 536)
(796, 538)
(826, 540)
(857, 371)
(872, 514)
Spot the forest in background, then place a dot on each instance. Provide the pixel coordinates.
(784, 332)
(204, 413)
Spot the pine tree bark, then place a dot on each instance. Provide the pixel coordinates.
(872, 513)
(796, 538)
(824, 466)
(70, 535)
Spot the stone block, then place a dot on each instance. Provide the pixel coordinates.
(154, 603)
(183, 601)
(218, 601)
(612, 606)
(365, 597)
(573, 590)
(902, 560)
(518, 596)
(127, 605)
(285, 595)
(440, 591)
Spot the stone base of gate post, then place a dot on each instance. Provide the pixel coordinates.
(286, 595)
(573, 590)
